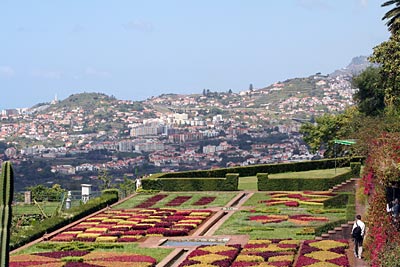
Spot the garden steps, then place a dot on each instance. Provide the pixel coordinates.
(341, 232)
(347, 186)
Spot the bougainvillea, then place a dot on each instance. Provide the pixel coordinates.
(381, 170)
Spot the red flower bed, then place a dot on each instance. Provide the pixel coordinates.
(179, 200)
(151, 201)
(204, 201)
(62, 254)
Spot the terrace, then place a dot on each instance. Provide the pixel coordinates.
(243, 228)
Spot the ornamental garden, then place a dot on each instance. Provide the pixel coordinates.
(239, 228)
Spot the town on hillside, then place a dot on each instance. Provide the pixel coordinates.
(68, 142)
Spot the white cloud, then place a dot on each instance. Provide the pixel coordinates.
(90, 71)
(363, 3)
(139, 25)
(47, 74)
(7, 71)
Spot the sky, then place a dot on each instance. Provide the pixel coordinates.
(135, 49)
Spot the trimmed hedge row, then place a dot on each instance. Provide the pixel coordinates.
(342, 200)
(299, 184)
(264, 168)
(229, 183)
(48, 225)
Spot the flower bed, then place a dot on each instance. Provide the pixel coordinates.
(267, 252)
(204, 201)
(151, 201)
(329, 253)
(291, 199)
(179, 200)
(133, 225)
(81, 259)
(297, 219)
(213, 255)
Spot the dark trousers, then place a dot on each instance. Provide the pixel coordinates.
(358, 243)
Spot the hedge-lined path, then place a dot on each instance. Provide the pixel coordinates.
(360, 209)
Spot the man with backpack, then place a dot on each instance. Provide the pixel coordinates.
(357, 233)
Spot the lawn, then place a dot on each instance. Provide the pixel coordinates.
(326, 173)
(250, 182)
(221, 199)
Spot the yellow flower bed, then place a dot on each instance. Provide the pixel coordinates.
(260, 241)
(97, 229)
(113, 220)
(87, 223)
(323, 255)
(217, 248)
(106, 239)
(97, 218)
(150, 220)
(276, 248)
(127, 223)
(328, 244)
(290, 242)
(322, 264)
(89, 235)
(72, 232)
(310, 203)
(186, 224)
(281, 258)
(250, 258)
(209, 258)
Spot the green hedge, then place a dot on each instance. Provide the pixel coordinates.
(300, 184)
(48, 225)
(229, 183)
(338, 201)
(346, 200)
(264, 168)
(356, 168)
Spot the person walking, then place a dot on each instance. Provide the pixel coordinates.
(357, 233)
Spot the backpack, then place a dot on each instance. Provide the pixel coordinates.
(356, 234)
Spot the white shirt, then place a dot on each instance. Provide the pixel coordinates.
(362, 226)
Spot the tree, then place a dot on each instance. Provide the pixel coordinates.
(128, 186)
(370, 95)
(327, 128)
(105, 178)
(387, 55)
(392, 16)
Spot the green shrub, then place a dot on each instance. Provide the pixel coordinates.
(263, 168)
(338, 201)
(229, 183)
(300, 184)
(355, 168)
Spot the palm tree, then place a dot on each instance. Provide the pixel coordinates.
(393, 15)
